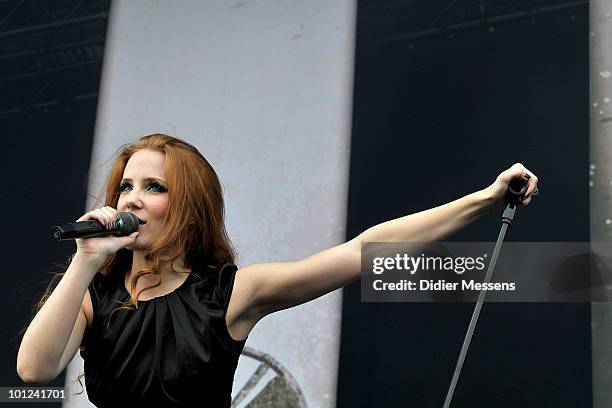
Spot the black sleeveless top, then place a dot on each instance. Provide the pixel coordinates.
(173, 351)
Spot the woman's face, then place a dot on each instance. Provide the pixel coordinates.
(144, 192)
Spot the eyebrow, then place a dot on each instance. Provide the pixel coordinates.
(145, 179)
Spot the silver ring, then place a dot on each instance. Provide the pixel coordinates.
(535, 192)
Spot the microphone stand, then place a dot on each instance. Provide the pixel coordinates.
(513, 195)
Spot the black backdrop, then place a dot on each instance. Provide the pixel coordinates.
(51, 61)
(434, 122)
(49, 154)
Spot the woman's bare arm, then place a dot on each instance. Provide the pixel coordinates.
(47, 336)
(264, 288)
(280, 285)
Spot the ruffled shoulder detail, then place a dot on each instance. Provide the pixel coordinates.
(211, 288)
(225, 284)
(99, 287)
(213, 285)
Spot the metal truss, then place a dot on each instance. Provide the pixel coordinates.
(382, 22)
(50, 52)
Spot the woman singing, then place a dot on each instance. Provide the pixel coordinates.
(161, 316)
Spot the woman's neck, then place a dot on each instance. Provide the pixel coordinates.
(166, 274)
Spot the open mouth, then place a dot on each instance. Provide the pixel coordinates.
(141, 221)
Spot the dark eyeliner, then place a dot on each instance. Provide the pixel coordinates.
(156, 185)
(161, 188)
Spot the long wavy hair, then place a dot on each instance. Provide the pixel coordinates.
(194, 221)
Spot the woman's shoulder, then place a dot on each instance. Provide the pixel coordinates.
(102, 284)
(102, 280)
(210, 295)
(213, 274)
(214, 282)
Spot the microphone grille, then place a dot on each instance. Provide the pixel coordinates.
(128, 222)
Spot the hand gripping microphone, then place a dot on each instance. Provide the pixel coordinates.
(126, 224)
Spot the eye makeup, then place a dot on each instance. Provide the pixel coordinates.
(158, 187)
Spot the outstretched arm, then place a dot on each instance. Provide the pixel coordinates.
(268, 287)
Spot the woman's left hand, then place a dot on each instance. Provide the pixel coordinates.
(496, 192)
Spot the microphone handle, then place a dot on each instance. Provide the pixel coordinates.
(85, 229)
(514, 194)
(125, 225)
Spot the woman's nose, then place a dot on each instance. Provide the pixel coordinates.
(133, 202)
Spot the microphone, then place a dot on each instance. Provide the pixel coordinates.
(127, 223)
(514, 192)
